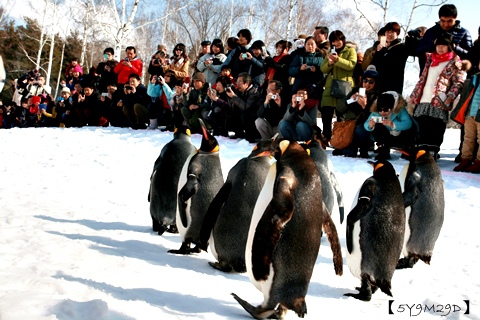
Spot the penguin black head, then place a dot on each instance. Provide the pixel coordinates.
(284, 146)
(263, 148)
(182, 129)
(382, 169)
(209, 143)
(418, 154)
(319, 137)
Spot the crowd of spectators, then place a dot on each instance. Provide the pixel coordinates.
(241, 90)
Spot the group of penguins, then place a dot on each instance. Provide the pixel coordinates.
(267, 218)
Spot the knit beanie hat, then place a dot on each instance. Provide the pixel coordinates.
(200, 77)
(78, 69)
(371, 72)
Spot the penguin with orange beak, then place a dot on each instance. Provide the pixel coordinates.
(375, 231)
(424, 200)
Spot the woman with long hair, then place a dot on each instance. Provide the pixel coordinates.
(179, 62)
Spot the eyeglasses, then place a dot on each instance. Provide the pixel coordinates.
(383, 110)
(369, 81)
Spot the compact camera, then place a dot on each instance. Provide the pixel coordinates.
(309, 68)
(244, 56)
(128, 88)
(299, 99)
(229, 87)
(274, 96)
(377, 119)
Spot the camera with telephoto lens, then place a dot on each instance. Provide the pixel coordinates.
(229, 87)
(415, 33)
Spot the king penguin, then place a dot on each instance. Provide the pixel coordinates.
(200, 180)
(331, 190)
(424, 200)
(228, 218)
(375, 229)
(285, 233)
(163, 190)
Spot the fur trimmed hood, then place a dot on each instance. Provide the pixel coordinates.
(400, 102)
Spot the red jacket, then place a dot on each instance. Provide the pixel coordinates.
(124, 72)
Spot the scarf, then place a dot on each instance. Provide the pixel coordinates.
(438, 58)
(271, 71)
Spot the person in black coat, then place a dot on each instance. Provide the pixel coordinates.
(390, 59)
(271, 112)
(278, 68)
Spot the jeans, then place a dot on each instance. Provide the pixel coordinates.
(301, 131)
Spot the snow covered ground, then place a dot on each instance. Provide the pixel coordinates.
(76, 239)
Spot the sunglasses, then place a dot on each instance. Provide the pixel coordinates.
(369, 81)
(383, 110)
(178, 49)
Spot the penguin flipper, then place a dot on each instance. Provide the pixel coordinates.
(411, 192)
(360, 210)
(332, 236)
(256, 312)
(339, 193)
(188, 191)
(212, 213)
(267, 234)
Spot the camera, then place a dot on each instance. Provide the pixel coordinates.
(229, 87)
(309, 68)
(274, 96)
(156, 61)
(299, 99)
(415, 33)
(244, 56)
(128, 88)
(126, 59)
(377, 119)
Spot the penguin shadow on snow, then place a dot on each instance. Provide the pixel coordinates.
(170, 302)
(98, 225)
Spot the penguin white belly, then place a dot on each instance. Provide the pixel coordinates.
(212, 246)
(181, 182)
(263, 200)
(406, 237)
(354, 259)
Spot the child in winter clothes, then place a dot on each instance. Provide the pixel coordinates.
(159, 110)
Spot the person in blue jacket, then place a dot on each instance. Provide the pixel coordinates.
(390, 124)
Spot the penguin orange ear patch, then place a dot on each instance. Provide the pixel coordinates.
(308, 151)
(189, 132)
(378, 166)
(284, 145)
(255, 148)
(420, 153)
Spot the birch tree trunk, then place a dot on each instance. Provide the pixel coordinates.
(50, 59)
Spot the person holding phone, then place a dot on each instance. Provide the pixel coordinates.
(394, 127)
(300, 117)
(159, 111)
(338, 65)
(134, 102)
(356, 107)
(130, 64)
(390, 58)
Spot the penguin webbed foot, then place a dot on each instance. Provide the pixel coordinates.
(172, 228)
(364, 292)
(408, 262)
(258, 312)
(185, 249)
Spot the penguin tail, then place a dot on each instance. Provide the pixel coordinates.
(256, 312)
(385, 286)
(332, 236)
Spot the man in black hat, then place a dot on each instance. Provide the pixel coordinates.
(205, 49)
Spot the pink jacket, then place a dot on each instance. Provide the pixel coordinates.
(450, 83)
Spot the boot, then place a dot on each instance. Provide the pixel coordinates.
(464, 163)
(474, 168)
(153, 124)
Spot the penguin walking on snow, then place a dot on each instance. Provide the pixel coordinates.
(375, 230)
(424, 200)
(163, 190)
(331, 190)
(200, 180)
(228, 218)
(285, 233)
